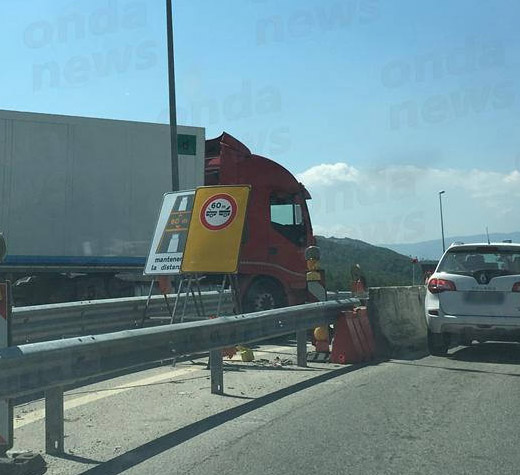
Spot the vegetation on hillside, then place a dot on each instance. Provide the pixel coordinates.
(381, 266)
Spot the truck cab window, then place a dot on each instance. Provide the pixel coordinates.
(286, 214)
(287, 218)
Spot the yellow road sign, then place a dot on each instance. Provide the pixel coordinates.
(215, 231)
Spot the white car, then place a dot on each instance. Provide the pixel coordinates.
(474, 294)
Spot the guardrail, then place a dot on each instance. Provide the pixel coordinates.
(50, 366)
(65, 320)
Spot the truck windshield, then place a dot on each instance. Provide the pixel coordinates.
(469, 261)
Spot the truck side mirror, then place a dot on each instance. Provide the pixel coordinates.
(3, 247)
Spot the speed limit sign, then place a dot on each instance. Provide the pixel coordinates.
(215, 232)
(218, 212)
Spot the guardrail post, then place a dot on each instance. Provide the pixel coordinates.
(301, 348)
(6, 406)
(54, 433)
(217, 372)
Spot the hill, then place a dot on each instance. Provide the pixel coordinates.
(433, 249)
(381, 266)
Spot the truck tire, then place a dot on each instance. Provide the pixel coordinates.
(264, 294)
(438, 343)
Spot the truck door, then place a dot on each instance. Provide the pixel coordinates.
(288, 231)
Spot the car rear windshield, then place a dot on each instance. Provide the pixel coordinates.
(469, 261)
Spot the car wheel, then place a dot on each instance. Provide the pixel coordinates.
(438, 343)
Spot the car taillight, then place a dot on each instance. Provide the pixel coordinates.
(436, 286)
(516, 287)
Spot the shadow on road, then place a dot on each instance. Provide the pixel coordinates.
(501, 353)
(496, 353)
(77, 458)
(155, 447)
(454, 368)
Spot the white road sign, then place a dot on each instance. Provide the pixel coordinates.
(169, 240)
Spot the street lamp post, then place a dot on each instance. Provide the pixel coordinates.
(442, 220)
(171, 84)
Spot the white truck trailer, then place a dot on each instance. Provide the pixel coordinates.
(79, 198)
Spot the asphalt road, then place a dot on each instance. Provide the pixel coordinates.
(456, 415)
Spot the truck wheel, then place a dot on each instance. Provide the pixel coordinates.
(264, 294)
(438, 343)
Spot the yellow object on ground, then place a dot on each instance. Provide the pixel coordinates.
(321, 333)
(246, 354)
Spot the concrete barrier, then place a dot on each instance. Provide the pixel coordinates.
(397, 318)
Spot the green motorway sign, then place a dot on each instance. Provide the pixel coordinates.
(187, 144)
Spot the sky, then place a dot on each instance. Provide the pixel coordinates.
(375, 105)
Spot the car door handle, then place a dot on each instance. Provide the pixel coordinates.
(273, 251)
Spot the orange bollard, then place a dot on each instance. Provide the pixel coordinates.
(340, 345)
(367, 330)
(353, 339)
(356, 338)
(345, 349)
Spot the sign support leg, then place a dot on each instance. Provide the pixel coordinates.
(145, 310)
(199, 294)
(196, 302)
(54, 433)
(167, 302)
(179, 289)
(187, 295)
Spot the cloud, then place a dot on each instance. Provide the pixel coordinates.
(490, 186)
(328, 174)
(399, 203)
(478, 183)
(513, 177)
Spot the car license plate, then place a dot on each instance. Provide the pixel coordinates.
(490, 298)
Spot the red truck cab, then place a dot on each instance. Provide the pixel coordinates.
(278, 228)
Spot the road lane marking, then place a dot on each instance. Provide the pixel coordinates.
(103, 393)
(98, 394)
